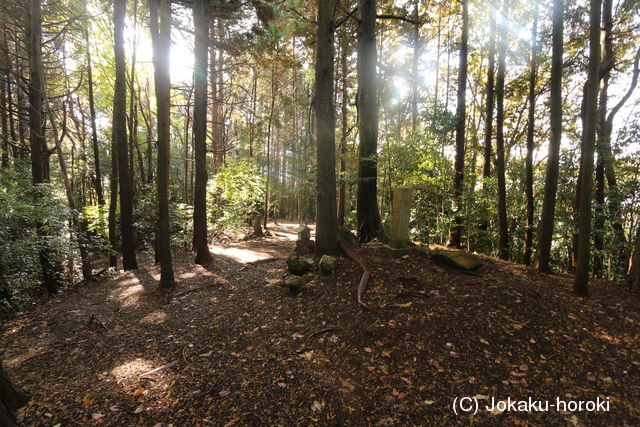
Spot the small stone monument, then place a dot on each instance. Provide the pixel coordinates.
(257, 225)
(304, 244)
(400, 215)
(304, 233)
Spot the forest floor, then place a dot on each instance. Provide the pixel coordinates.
(232, 346)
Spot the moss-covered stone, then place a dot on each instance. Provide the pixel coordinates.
(460, 259)
(298, 265)
(327, 264)
(305, 247)
(294, 283)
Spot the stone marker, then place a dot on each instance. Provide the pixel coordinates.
(304, 233)
(297, 265)
(257, 225)
(400, 215)
(460, 259)
(327, 264)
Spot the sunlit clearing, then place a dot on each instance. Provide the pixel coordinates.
(128, 296)
(241, 255)
(154, 318)
(130, 371)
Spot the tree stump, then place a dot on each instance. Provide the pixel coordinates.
(11, 398)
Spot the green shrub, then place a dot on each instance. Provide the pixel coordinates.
(25, 207)
(234, 192)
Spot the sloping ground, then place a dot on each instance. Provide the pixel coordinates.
(238, 349)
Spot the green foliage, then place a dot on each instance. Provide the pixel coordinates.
(27, 207)
(234, 192)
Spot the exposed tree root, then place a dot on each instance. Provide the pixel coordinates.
(364, 280)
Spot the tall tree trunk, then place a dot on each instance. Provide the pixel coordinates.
(489, 96)
(36, 128)
(119, 129)
(4, 119)
(97, 182)
(113, 202)
(633, 277)
(545, 235)
(368, 214)
(269, 146)
(503, 226)
(201, 26)
(326, 222)
(455, 233)
(414, 68)
(161, 50)
(51, 270)
(599, 218)
(344, 110)
(528, 179)
(254, 98)
(581, 281)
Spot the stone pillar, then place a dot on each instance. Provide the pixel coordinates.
(400, 214)
(304, 233)
(257, 225)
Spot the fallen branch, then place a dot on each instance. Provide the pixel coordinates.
(315, 334)
(179, 294)
(364, 280)
(153, 371)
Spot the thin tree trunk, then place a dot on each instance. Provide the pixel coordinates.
(528, 179)
(545, 235)
(455, 233)
(581, 281)
(161, 50)
(201, 25)
(599, 219)
(4, 119)
(368, 214)
(119, 127)
(414, 69)
(97, 182)
(269, 144)
(488, 115)
(503, 226)
(326, 222)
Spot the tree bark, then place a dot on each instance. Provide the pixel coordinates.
(161, 49)
(326, 222)
(581, 281)
(545, 235)
(455, 233)
(36, 128)
(119, 129)
(599, 218)
(489, 96)
(633, 277)
(503, 226)
(11, 398)
(344, 110)
(4, 119)
(528, 180)
(201, 26)
(97, 182)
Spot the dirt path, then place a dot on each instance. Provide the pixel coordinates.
(233, 347)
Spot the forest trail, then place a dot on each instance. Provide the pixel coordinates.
(232, 346)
